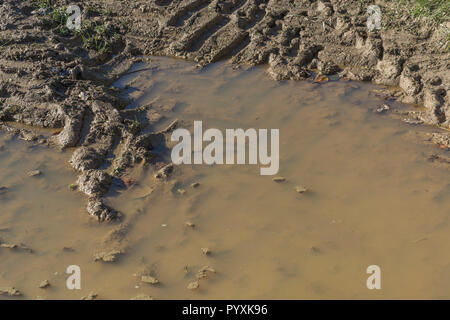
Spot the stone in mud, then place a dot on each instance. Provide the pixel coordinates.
(189, 224)
(142, 297)
(28, 136)
(412, 121)
(85, 158)
(206, 251)
(195, 185)
(102, 212)
(94, 182)
(34, 173)
(382, 109)
(181, 191)
(14, 246)
(149, 279)
(44, 284)
(301, 189)
(10, 291)
(91, 296)
(107, 256)
(193, 285)
(3, 190)
(164, 172)
(278, 179)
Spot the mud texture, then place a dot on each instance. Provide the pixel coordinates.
(58, 80)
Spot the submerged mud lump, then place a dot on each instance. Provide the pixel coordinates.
(101, 211)
(94, 182)
(10, 291)
(107, 256)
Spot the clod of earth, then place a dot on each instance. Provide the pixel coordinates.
(91, 296)
(195, 185)
(44, 284)
(278, 179)
(34, 173)
(149, 279)
(107, 256)
(382, 109)
(181, 191)
(189, 224)
(10, 291)
(193, 285)
(206, 251)
(3, 190)
(164, 172)
(412, 121)
(301, 189)
(16, 247)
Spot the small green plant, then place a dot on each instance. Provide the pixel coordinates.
(137, 123)
(45, 4)
(72, 186)
(59, 16)
(97, 36)
(437, 10)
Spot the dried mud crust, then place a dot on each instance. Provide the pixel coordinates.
(54, 79)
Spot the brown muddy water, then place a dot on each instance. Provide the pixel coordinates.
(373, 199)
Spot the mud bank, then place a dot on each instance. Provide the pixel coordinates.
(53, 78)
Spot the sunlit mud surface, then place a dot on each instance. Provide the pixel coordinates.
(373, 199)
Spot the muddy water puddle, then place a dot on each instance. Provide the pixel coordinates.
(373, 198)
